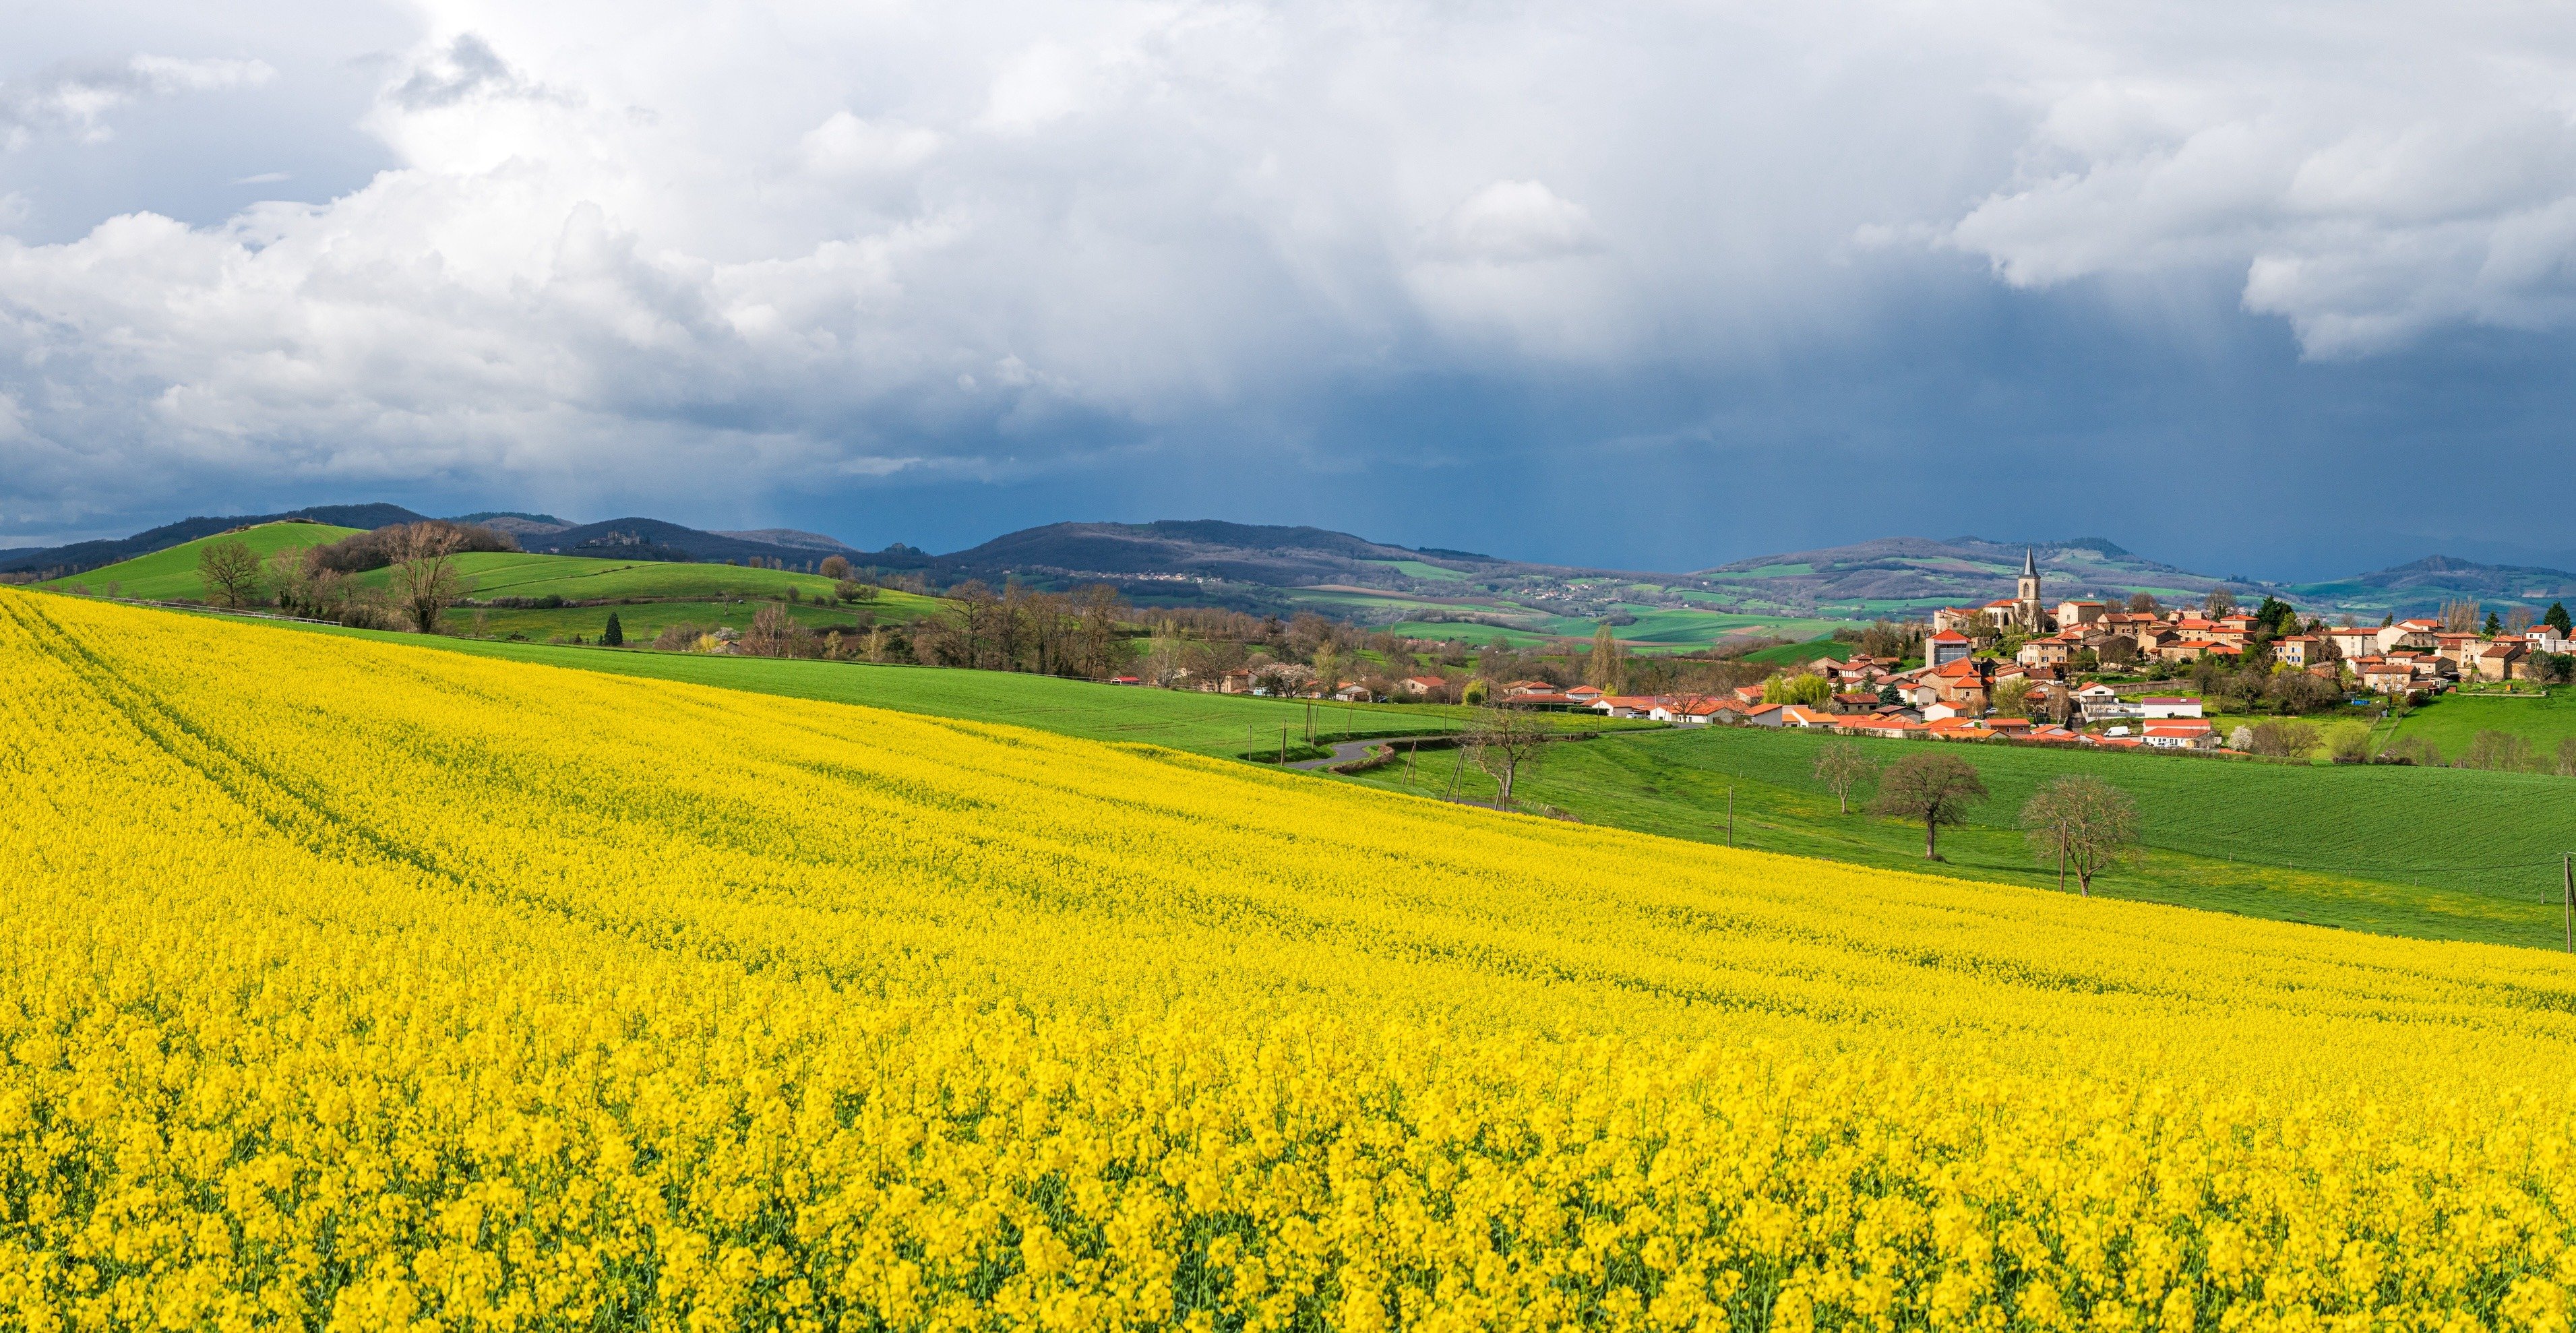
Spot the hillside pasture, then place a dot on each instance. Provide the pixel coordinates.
(170, 575)
(2452, 721)
(2435, 853)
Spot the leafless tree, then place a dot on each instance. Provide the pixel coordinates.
(1841, 766)
(772, 632)
(2219, 602)
(1935, 789)
(231, 573)
(425, 579)
(1504, 742)
(834, 568)
(2143, 603)
(2516, 620)
(2085, 824)
(2460, 616)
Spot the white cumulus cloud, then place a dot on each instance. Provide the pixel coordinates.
(668, 244)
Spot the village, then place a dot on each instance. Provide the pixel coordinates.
(2080, 672)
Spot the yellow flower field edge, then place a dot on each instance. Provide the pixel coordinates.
(345, 985)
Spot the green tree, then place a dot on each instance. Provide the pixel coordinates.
(2494, 626)
(2083, 823)
(1932, 788)
(1603, 670)
(2558, 619)
(615, 635)
(231, 573)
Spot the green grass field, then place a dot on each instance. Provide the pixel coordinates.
(1799, 654)
(2368, 848)
(2451, 721)
(1212, 724)
(171, 575)
(662, 593)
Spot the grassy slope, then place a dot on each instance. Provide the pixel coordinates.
(1213, 724)
(171, 574)
(1799, 654)
(2451, 721)
(692, 593)
(2325, 845)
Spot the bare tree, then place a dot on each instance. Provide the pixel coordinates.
(772, 633)
(2219, 602)
(2143, 603)
(2517, 619)
(2085, 824)
(231, 572)
(1841, 766)
(834, 568)
(1936, 789)
(1503, 742)
(2460, 616)
(425, 579)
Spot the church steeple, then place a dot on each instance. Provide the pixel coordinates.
(2026, 593)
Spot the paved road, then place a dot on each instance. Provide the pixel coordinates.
(1345, 752)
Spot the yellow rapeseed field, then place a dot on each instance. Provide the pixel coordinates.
(353, 986)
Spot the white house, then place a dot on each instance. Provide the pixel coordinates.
(2101, 701)
(2180, 736)
(2156, 706)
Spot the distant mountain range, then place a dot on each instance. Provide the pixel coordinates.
(1278, 568)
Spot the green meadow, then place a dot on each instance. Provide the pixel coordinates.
(649, 594)
(2438, 853)
(171, 575)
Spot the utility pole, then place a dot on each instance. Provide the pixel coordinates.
(2061, 856)
(1283, 745)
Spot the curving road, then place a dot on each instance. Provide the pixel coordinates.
(1345, 752)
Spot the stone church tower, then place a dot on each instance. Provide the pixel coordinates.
(2028, 611)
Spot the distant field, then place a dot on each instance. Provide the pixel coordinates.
(517, 574)
(1213, 724)
(643, 620)
(171, 575)
(1799, 654)
(1656, 629)
(2452, 721)
(692, 593)
(2395, 850)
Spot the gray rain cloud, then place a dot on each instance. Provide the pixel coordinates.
(665, 252)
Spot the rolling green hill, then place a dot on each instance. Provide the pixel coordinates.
(2438, 853)
(648, 594)
(171, 575)
(2452, 721)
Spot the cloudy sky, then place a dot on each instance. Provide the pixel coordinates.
(2283, 290)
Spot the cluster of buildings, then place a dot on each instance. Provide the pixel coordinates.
(2415, 656)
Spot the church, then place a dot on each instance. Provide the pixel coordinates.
(2022, 611)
